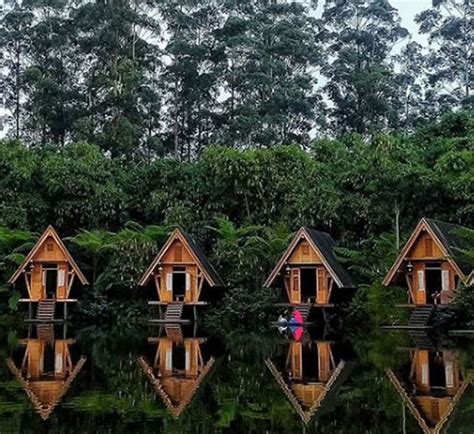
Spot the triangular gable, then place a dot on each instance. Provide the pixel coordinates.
(325, 253)
(427, 225)
(198, 256)
(305, 415)
(176, 410)
(416, 412)
(45, 410)
(49, 232)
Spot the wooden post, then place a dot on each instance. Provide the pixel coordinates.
(160, 311)
(65, 311)
(195, 313)
(30, 310)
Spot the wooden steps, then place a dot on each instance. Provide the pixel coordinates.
(304, 310)
(46, 309)
(173, 312)
(420, 317)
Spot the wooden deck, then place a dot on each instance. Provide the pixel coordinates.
(184, 303)
(304, 304)
(57, 300)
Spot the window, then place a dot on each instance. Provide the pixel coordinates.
(305, 249)
(50, 247)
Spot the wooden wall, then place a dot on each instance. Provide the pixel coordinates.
(178, 256)
(304, 254)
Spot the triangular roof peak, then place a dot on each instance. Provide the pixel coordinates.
(417, 414)
(444, 235)
(176, 409)
(196, 252)
(49, 232)
(305, 415)
(323, 245)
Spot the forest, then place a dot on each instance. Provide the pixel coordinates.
(239, 121)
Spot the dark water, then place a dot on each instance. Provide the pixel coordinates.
(173, 380)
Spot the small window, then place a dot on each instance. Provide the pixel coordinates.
(50, 247)
(305, 249)
(428, 247)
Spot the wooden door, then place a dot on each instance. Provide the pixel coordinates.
(296, 360)
(422, 366)
(324, 361)
(321, 286)
(295, 286)
(419, 283)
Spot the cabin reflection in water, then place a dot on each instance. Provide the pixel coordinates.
(430, 386)
(45, 366)
(309, 374)
(177, 366)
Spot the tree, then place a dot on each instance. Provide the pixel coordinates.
(449, 25)
(360, 35)
(15, 38)
(116, 42)
(271, 52)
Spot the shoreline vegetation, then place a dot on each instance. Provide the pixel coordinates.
(241, 206)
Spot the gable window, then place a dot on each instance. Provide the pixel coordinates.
(178, 252)
(305, 249)
(50, 246)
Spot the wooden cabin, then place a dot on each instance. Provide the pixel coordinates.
(429, 266)
(310, 273)
(177, 367)
(48, 274)
(308, 375)
(431, 387)
(181, 275)
(45, 368)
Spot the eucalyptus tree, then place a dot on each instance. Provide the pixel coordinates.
(15, 38)
(49, 80)
(190, 76)
(449, 25)
(359, 37)
(271, 52)
(118, 50)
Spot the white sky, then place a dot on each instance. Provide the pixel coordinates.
(407, 10)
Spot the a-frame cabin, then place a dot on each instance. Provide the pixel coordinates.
(310, 374)
(181, 276)
(430, 387)
(45, 367)
(177, 367)
(429, 265)
(48, 275)
(310, 272)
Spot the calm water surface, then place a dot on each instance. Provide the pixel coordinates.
(179, 379)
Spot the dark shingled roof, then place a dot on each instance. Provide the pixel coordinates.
(326, 245)
(452, 242)
(203, 259)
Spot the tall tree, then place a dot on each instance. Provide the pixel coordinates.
(15, 38)
(360, 35)
(50, 77)
(271, 53)
(119, 59)
(191, 73)
(450, 27)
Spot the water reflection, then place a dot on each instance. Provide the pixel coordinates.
(177, 364)
(309, 373)
(45, 365)
(431, 384)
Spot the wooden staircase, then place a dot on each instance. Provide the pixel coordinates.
(46, 309)
(304, 310)
(420, 317)
(421, 339)
(173, 312)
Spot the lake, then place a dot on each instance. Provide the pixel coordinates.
(179, 379)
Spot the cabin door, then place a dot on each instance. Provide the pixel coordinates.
(295, 286)
(50, 281)
(419, 280)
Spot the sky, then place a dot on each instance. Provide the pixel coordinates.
(407, 10)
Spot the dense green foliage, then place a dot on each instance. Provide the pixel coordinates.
(241, 205)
